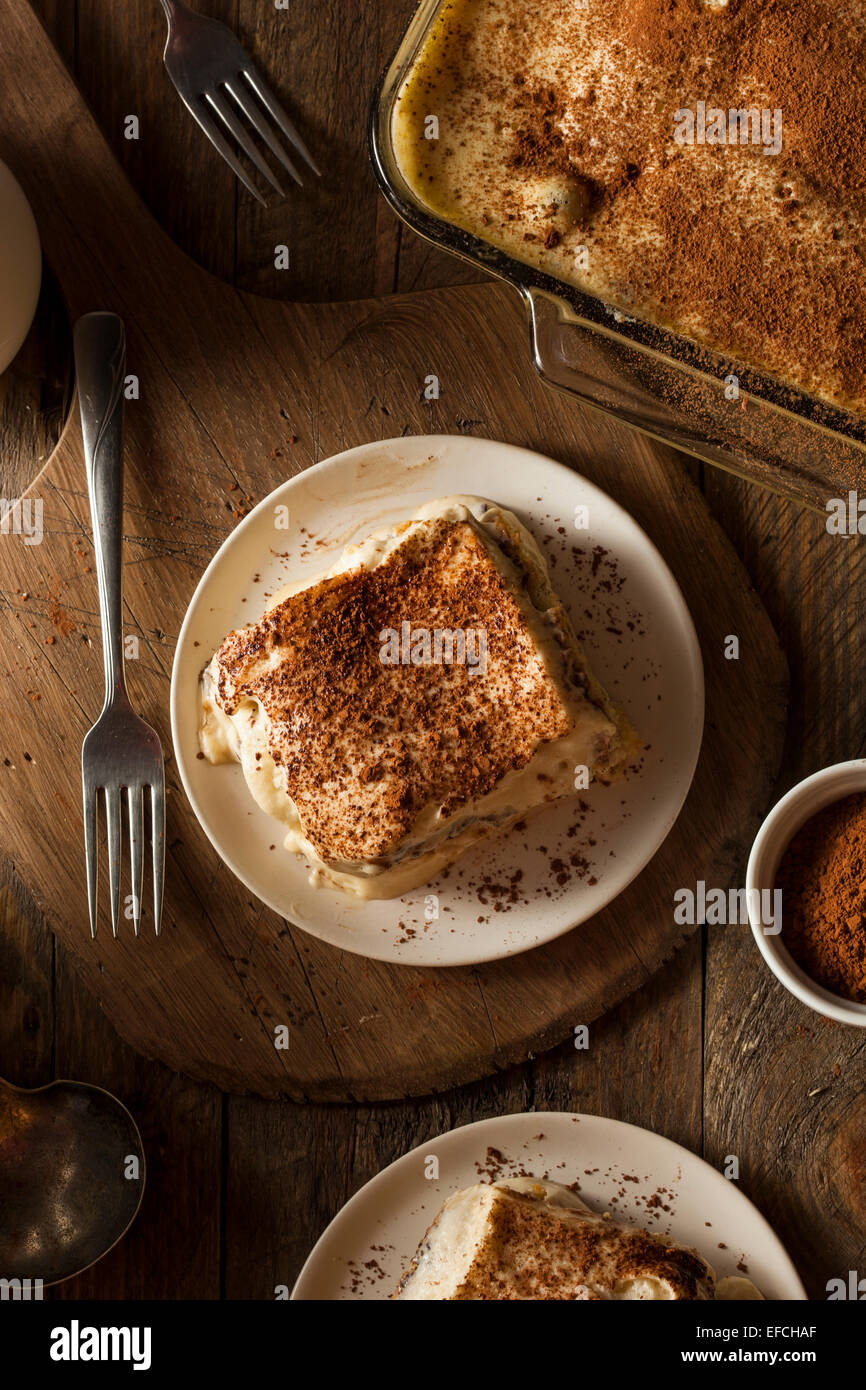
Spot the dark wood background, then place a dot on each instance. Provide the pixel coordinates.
(712, 1053)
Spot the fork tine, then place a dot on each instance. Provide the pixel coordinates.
(90, 850)
(267, 98)
(223, 148)
(135, 798)
(254, 116)
(229, 119)
(157, 833)
(112, 818)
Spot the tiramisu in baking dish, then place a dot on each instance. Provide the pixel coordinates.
(424, 692)
(532, 1239)
(697, 164)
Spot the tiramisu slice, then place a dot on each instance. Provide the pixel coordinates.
(528, 1239)
(425, 691)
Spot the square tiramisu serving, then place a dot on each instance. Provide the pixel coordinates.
(423, 693)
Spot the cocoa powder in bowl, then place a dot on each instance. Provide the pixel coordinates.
(822, 877)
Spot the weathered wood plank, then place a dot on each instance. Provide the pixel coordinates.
(171, 165)
(173, 1248)
(784, 1086)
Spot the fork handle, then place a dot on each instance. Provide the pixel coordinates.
(100, 365)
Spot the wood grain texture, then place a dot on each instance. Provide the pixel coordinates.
(216, 369)
(119, 62)
(295, 1167)
(772, 1067)
(287, 1169)
(27, 974)
(35, 393)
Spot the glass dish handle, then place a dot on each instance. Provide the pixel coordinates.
(679, 405)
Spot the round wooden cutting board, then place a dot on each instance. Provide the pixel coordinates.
(235, 395)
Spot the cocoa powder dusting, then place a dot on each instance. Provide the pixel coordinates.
(760, 258)
(823, 881)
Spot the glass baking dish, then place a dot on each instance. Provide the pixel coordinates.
(657, 381)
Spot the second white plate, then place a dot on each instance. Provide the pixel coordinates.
(521, 888)
(640, 1177)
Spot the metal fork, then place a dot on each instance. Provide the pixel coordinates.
(121, 752)
(211, 70)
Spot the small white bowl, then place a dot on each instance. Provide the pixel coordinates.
(781, 825)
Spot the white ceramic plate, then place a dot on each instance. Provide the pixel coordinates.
(640, 640)
(370, 1242)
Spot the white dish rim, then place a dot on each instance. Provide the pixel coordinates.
(494, 1126)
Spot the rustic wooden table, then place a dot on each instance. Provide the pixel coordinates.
(712, 1053)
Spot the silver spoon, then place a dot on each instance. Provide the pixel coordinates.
(68, 1191)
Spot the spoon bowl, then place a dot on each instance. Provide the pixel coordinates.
(69, 1188)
